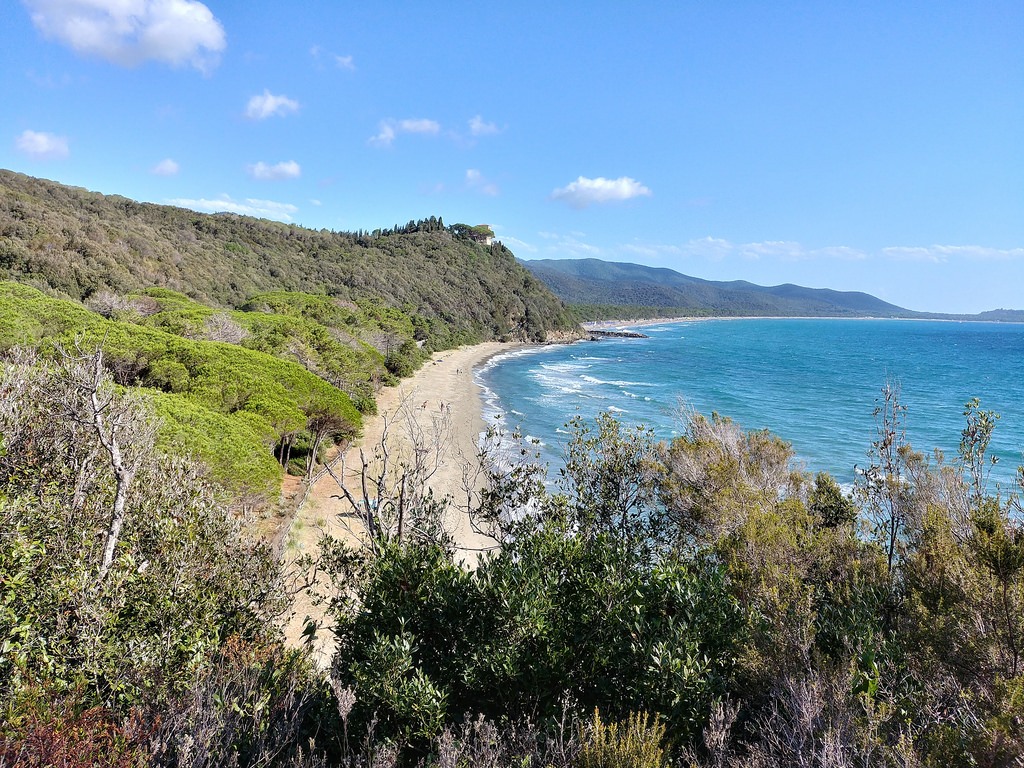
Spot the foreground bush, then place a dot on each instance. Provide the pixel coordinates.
(137, 618)
(637, 742)
(549, 620)
(760, 617)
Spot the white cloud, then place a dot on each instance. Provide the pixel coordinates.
(42, 146)
(479, 127)
(129, 32)
(578, 248)
(288, 169)
(842, 253)
(314, 201)
(585, 192)
(389, 130)
(265, 105)
(569, 246)
(913, 253)
(341, 62)
(477, 182)
(652, 251)
(166, 167)
(939, 254)
(714, 248)
(773, 249)
(265, 209)
(419, 125)
(384, 136)
(718, 249)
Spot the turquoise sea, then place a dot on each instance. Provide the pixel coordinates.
(812, 382)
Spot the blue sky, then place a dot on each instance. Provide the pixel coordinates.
(871, 146)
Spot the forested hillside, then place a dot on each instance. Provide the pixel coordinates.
(74, 243)
(611, 289)
(237, 407)
(255, 343)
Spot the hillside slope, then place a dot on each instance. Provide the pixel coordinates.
(240, 410)
(256, 343)
(595, 282)
(74, 243)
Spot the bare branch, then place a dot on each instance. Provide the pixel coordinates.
(118, 421)
(394, 500)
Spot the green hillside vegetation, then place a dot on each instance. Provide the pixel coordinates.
(75, 244)
(1003, 315)
(233, 407)
(355, 347)
(591, 312)
(258, 342)
(607, 290)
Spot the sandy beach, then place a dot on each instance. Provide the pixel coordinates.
(442, 404)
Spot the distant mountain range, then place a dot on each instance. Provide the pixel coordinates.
(603, 289)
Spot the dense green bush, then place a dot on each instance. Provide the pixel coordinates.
(548, 619)
(754, 611)
(342, 342)
(236, 448)
(230, 406)
(581, 608)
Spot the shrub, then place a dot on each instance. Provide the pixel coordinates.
(637, 742)
(549, 617)
(182, 576)
(168, 375)
(255, 704)
(206, 379)
(50, 731)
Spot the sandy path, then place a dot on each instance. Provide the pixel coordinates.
(447, 379)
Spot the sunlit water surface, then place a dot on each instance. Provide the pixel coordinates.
(813, 382)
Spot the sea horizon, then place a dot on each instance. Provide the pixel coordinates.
(811, 381)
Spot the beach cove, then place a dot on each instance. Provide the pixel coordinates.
(812, 382)
(443, 389)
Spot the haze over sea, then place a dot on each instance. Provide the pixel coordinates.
(812, 382)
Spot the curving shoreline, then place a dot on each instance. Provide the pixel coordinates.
(447, 380)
